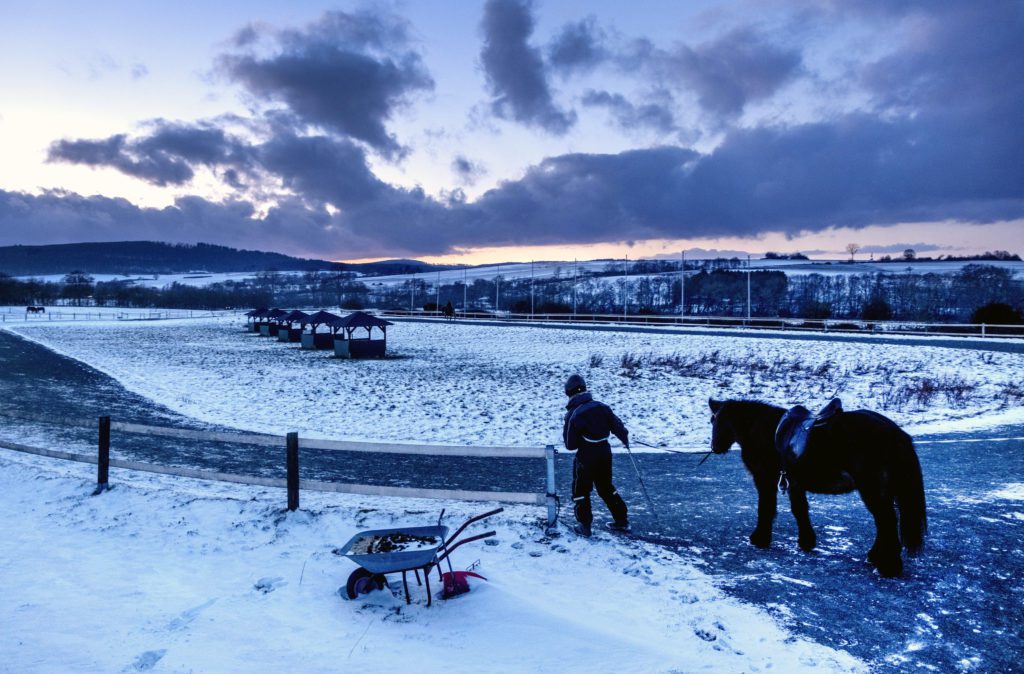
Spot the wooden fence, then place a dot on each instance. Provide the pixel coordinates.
(292, 444)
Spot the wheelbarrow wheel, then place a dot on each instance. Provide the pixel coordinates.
(362, 581)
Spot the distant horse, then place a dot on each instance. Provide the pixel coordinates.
(35, 310)
(449, 312)
(859, 450)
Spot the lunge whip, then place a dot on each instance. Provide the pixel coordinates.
(674, 451)
(640, 477)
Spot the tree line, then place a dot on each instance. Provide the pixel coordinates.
(646, 288)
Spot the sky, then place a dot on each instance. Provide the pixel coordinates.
(507, 130)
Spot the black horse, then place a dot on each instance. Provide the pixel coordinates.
(35, 310)
(859, 450)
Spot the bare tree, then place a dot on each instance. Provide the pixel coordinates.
(852, 249)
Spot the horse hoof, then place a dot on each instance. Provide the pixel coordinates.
(808, 543)
(760, 540)
(890, 569)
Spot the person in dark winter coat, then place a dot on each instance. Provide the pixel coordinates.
(588, 425)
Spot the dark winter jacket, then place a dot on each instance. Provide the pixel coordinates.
(589, 424)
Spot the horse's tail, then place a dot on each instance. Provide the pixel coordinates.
(908, 485)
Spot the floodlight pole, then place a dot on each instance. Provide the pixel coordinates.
(574, 264)
(464, 292)
(531, 289)
(625, 289)
(748, 287)
(412, 292)
(682, 285)
(437, 294)
(497, 283)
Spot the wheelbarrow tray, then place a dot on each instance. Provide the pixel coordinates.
(402, 560)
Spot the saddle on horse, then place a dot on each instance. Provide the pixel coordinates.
(795, 426)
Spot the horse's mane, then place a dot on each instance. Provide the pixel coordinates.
(753, 406)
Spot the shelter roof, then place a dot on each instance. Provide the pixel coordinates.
(320, 317)
(295, 315)
(276, 313)
(360, 319)
(257, 313)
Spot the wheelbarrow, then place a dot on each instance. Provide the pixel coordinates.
(379, 552)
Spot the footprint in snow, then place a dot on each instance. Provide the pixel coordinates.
(186, 617)
(146, 661)
(268, 584)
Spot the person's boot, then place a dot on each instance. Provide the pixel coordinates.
(582, 529)
(621, 526)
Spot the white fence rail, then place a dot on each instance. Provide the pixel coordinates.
(291, 443)
(831, 325)
(21, 315)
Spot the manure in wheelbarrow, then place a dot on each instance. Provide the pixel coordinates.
(393, 542)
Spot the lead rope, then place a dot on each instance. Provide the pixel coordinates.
(783, 481)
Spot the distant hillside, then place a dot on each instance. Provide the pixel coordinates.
(144, 257)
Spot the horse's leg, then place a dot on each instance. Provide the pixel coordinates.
(766, 508)
(885, 553)
(798, 505)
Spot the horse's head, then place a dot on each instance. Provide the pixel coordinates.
(723, 435)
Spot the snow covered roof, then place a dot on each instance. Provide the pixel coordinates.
(319, 318)
(360, 319)
(276, 313)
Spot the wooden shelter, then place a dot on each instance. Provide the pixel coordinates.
(349, 341)
(254, 318)
(287, 332)
(271, 323)
(314, 339)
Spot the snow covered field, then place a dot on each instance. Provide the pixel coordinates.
(482, 385)
(173, 575)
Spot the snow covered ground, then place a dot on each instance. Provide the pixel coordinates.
(484, 385)
(171, 574)
(175, 575)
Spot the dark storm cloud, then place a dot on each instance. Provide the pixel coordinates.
(629, 116)
(466, 170)
(515, 71)
(321, 169)
(732, 71)
(943, 143)
(346, 73)
(964, 55)
(166, 156)
(579, 46)
(115, 152)
(854, 172)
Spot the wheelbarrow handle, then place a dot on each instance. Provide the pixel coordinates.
(468, 522)
(450, 550)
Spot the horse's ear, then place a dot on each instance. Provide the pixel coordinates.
(715, 405)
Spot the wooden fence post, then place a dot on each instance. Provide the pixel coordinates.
(103, 457)
(292, 462)
(552, 495)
